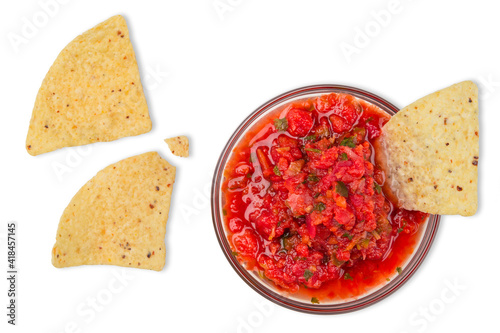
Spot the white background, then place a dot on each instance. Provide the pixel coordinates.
(205, 71)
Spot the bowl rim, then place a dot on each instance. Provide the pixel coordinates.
(417, 257)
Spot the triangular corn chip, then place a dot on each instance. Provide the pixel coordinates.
(179, 145)
(92, 92)
(119, 216)
(432, 151)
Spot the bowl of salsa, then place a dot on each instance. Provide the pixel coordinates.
(299, 206)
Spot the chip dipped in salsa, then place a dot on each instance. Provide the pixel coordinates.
(304, 204)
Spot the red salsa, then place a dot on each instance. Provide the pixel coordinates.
(304, 203)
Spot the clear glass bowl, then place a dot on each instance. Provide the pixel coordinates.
(268, 289)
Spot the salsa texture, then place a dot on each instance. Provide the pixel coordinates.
(304, 203)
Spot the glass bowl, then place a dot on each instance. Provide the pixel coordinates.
(267, 288)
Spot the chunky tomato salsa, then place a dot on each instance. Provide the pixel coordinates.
(304, 203)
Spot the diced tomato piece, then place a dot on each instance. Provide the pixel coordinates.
(243, 168)
(286, 141)
(322, 130)
(300, 202)
(263, 159)
(343, 255)
(327, 159)
(339, 124)
(300, 122)
(294, 168)
(235, 225)
(237, 182)
(287, 148)
(342, 104)
(311, 228)
(302, 250)
(266, 224)
(246, 243)
(345, 108)
(345, 217)
(283, 165)
(265, 164)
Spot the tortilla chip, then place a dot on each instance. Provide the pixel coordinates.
(92, 92)
(179, 145)
(432, 151)
(118, 217)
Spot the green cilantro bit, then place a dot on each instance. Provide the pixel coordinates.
(347, 276)
(308, 274)
(224, 212)
(249, 175)
(312, 178)
(235, 253)
(400, 230)
(314, 300)
(317, 195)
(314, 150)
(348, 142)
(377, 188)
(342, 189)
(320, 207)
(300, 258)
(310, 138)
(388, 279)
(399, 270)
(369, 119)
(343, 157)
(346, 234)
(281, 124)
(276, 171)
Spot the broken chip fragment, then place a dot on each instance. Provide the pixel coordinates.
(179, 145)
